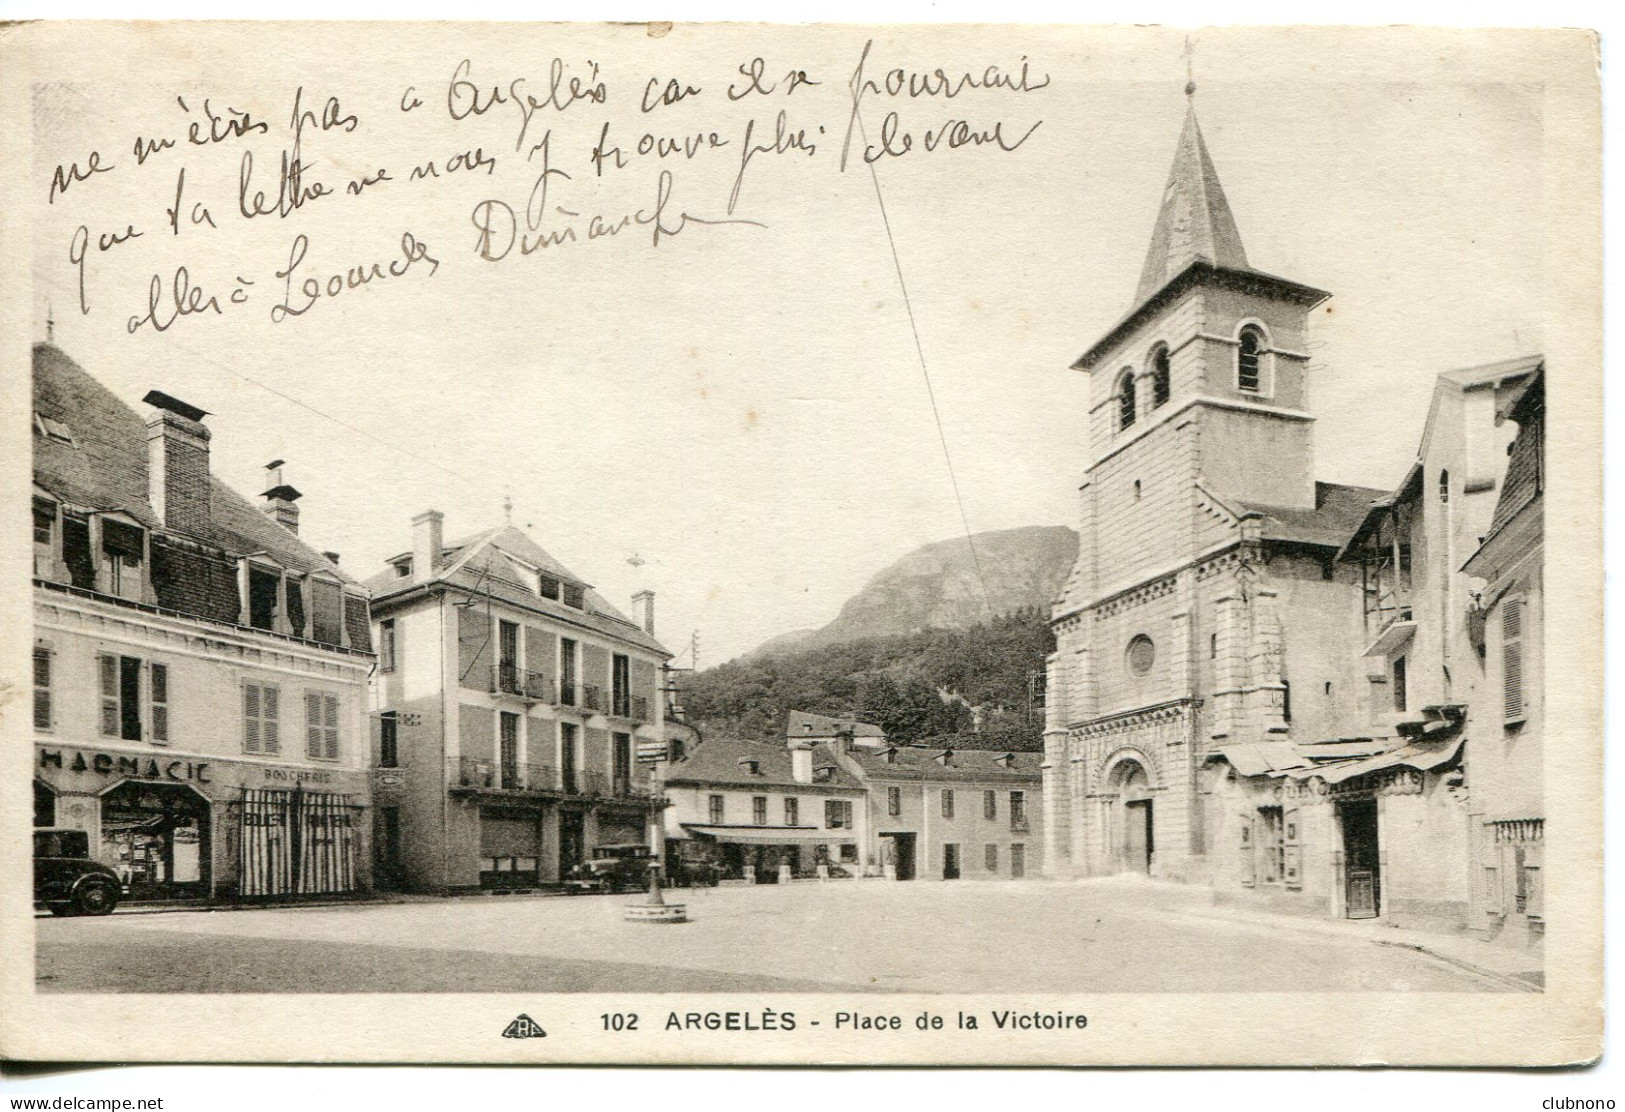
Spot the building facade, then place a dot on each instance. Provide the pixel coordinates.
(947, 814)
(200, 673)
(511, 705)
(760, 812)
(1507, 817)
(1261, 680)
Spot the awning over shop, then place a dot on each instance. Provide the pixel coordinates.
(768, 835)
(1420, 757)
(1261, 758)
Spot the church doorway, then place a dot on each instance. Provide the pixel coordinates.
(1136, 841)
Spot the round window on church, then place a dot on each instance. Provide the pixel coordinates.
(1141, 655)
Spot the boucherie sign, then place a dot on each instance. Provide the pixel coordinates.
(112, 764)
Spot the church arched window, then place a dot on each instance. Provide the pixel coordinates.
(1125, 398)
(1249, 359)
(1444, 486)
(1161, 375)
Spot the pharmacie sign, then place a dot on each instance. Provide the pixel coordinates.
(123, 765)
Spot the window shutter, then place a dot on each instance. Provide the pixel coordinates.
(110, 707)
(330, 725)
(270, 712)
(313, 724)
(42, 689)
(251, 718)
(1512, 659)
(158, 682)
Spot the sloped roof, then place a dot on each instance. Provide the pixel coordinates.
(803, 724)
(1338, 512)
(722, 760)
(105, 468)
(924, 763)
(480, 563)
(1524, 480)
(1492, 374)
(1194, 222)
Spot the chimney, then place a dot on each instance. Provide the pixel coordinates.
(427, 534)
(801, 764)
(178, 464)
(332, 558)
(281, 500)
(843, 739)
(645, 601)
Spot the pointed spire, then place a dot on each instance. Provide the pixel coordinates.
(1194, 222)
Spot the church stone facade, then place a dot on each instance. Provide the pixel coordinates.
(1227, 699)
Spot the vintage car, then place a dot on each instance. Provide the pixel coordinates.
(616, 868)
(67, 880)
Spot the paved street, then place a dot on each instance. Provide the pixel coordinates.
(1098, 936)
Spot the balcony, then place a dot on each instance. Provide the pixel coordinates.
(567, 693)
(592, 697)
(1018, 826)
(634, 708)
(494, 777)
(510, 679)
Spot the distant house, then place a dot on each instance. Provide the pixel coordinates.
(512, 704)
(199, 670)
(948, 814)
(759, 811)
(803, 726)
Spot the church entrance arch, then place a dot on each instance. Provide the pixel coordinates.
(1135, 836)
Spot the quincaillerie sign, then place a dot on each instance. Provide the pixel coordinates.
(112, 764)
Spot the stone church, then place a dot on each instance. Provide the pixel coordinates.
(1229, 702)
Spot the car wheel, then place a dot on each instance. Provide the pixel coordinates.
(96, 898)
(61, 908)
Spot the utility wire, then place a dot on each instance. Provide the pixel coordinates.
(925, 373)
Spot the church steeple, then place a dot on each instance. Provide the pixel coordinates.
(1194, 222)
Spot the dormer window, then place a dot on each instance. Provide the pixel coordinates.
(45, 518)
(547, 587)
(575, 596)
(52, 429)
(121, 554)
(403, 569)
(1161, 377)
(751, 767)
(822, 774)
(1249, 360)
(1125, 398)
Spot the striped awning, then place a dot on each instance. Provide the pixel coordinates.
(768, 835)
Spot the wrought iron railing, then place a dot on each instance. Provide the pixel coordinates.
(510, 679)
(626, 705)
(592, 697)
(494, 775)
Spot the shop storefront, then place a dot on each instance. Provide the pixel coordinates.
(762, 854)
(188, 828)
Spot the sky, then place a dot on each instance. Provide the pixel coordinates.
(738, 418)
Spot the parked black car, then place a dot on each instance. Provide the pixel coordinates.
(618, 868)
(67, 880)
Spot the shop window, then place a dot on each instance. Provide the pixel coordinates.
(715, 808)
(44, 805)
(758, 810)
(990, 805)
(321, 726)
(389, 740)
(947, 803)
(386, 645)
(849, 853)
(792, 811)
(894, 801)
(261, 718)
(991, 858)
(42, 688)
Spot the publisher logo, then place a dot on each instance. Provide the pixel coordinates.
(524, 1027)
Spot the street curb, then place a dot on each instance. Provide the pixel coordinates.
(1508, 980)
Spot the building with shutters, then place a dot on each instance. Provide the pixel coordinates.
(1262, 681)
(1507, 817)
(516, 715)
(200, 672)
